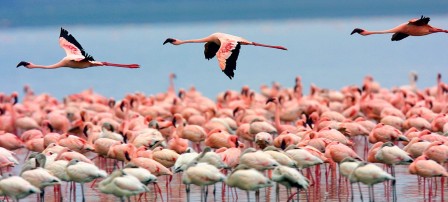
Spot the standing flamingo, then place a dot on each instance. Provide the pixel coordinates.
(369, 174)
(76, 57)
(83, 172)
(225, 46)
(415, 27)
(17, 188)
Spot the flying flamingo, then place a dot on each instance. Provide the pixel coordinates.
(225, 46)
(415, 27)
(76, 57)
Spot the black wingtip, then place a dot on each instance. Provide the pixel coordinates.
(22, 63)
(357, 30)
(169, 40)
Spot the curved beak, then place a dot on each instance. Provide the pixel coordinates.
(357, 30)
(22, 63)
(169, 40)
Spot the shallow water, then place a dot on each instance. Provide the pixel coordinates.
(409, 188)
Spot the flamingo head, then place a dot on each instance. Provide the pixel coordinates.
(23, 63)
(170, 40)
(272, 99)
(357, 30)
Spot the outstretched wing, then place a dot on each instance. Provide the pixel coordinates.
(72, 47)
(419, 22)
(399, 36)
(227, 56)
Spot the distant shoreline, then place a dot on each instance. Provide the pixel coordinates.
(28, 13)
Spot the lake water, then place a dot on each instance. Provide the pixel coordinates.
(409, 188)
(320, 50)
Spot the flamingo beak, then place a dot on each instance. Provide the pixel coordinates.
(22, 63)
(169, 40)
(271, 99)
(357, 30)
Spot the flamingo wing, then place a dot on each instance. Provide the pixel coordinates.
(72, 47)
(227, 56)
(419, 22)
(210, 50)
(399, 36)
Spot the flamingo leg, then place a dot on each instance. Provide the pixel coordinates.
(187, 189)
(298, 194)
(394, 188)
(82, 192)
(360, 193)
(42, 195)
(120, 65)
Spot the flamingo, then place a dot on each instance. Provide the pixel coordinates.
(248, 179)
(17, 188)
(201, 174)
(119, 184)
(369, 174)
(225, 46)
(415, 27)
(140, 173)
(346, 167)
(392, 155)
(290, 177)
(76, 57)
(425, 167)
(83, 172)
(184, 159)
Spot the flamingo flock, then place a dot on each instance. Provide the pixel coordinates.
(244, 140)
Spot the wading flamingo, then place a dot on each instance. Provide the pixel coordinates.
(17, 188)
(76, 57)
(225, 46)
(415, 27)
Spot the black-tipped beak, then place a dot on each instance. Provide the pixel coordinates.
(271, 99)
(174, 122)
(357, 30)
(177, 170)
(16, 100)
(169, 40)
(23, 63)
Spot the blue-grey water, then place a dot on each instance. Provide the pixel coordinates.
(320, 50)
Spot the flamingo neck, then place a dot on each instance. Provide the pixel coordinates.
(180, 128)
(57, 65)
(203, 40)
(366, 32)
(277, 117)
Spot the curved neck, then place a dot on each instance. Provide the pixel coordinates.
(277, 117)
(180, 128)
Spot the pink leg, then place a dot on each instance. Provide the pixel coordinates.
(121, 65)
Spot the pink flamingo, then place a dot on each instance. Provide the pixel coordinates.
(76, 56)
(415, 27)
(425, 167)
(225, 46)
